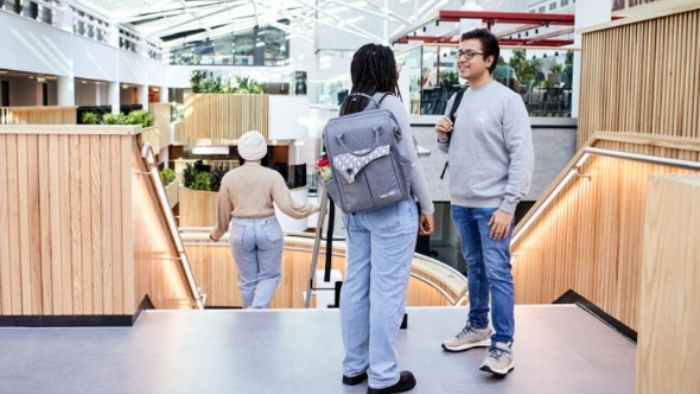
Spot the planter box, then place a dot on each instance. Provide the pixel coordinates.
(172, 192)
(197, 208)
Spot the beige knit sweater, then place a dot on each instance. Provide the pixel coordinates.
(249, 191)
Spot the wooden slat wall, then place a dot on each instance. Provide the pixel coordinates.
(152, 136)
(215, 272)
(589, 239)
(222, 118)
(158, 271)
(668, 355)
(81, 228)
(161, 113)
(63, 250)
(37, 115)
(642, 77)
(197, 208)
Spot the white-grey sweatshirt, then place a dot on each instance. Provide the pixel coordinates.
(490, 153)
(419, 186)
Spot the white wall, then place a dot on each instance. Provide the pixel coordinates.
(43, 49)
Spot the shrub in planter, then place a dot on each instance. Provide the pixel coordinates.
(140, 117)
(202, 182)
(114, 119)
(167, 175)
(90, 118)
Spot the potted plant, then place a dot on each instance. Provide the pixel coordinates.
(90, 118)
(140, 117)
(114, 119)
(556, 74)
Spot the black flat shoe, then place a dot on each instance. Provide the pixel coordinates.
(406, 382)
(354, 380)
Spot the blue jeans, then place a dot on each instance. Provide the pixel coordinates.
(257, 246)
(373, 298)
(488, 268)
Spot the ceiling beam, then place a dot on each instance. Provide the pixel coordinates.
(351, 28)
(174, 28)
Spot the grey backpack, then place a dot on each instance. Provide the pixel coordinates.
(371, 168)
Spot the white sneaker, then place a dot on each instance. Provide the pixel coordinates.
(500, 359)
(468, 338)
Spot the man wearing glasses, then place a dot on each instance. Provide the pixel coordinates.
(491, 161)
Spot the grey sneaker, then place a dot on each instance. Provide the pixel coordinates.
(500, 359)
(468, 338)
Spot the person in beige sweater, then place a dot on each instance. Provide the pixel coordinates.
(244, 207)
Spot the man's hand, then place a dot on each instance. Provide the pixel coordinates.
(442, 127)
(426, 224)
(500, 224)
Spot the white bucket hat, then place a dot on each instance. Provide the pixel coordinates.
(252, 146)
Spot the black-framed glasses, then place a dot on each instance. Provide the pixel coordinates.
(468, 55)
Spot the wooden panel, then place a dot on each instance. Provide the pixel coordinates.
(152, 136)
(172, 192)
(222, 118)
(161, 114)
(215, 272)
(66, 232)
(5, 267)
(628, 84)
(588, 239)
(37, 115)
(668, 355)
(197, 208)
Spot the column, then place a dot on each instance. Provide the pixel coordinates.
(164, 95)
(143, 96)
(594, 12)
(114, 96)
(66, 19)
(66, 91)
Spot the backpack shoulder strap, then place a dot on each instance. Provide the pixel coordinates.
(455, 104)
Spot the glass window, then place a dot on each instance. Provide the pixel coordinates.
(564, 3)
(552, 6)
(542, 9)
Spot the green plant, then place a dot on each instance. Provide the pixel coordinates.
(189, 174)
(247, 85)
(211, 85)
(90, 118)
(167, 175)
(196, 79)
(201, 182)
(448, 75)
(557, 69)
(140, 117)
(114, 119)
(569, 69)
(216, 176)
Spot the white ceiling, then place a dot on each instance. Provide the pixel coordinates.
(171, 19)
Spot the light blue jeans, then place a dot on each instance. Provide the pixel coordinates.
(373, 298)
(488, 268)
(257, 246)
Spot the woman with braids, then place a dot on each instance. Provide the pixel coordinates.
(380, 245)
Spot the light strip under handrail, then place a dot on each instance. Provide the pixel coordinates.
(584, 154)
(149, 157)
(422, 265)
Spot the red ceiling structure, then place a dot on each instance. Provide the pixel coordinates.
(491, 18)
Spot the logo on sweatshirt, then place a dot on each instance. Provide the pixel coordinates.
(482, 118)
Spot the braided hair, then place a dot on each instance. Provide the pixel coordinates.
(373, 70)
